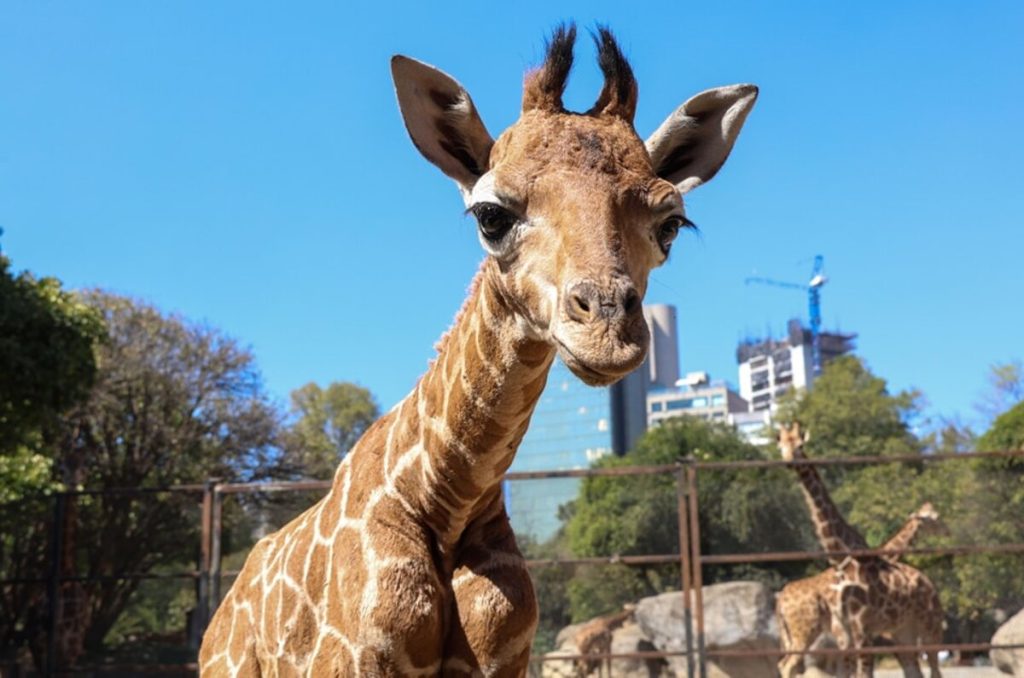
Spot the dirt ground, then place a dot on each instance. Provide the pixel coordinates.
(948, 672)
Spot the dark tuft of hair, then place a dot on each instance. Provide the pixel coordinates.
(620, 89)
(544, 87)
(617, 71)
(558, 59)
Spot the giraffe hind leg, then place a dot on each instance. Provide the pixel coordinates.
(909, 664)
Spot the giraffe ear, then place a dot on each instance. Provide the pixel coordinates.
(693, 143)
(442, 120)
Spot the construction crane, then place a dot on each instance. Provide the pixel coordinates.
(813, 289)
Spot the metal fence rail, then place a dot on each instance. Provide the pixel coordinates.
(209, 573)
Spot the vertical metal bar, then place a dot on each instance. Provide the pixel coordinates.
(685, 567)
(215, 546)
(53, 584)
(698, 575)
(203, 594)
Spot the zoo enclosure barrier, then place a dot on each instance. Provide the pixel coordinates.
(209, 574)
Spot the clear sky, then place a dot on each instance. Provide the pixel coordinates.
(244, 164)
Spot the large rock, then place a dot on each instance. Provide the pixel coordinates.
(555, 667)
(1012, 632)
(631, 638)
(737, 616)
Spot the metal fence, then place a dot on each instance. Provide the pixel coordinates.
(211, 577)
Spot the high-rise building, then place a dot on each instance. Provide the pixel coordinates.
(573, 426)
(770, 367)
(695, 396)
(663, 358)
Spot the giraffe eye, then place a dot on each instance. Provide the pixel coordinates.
(494, 220)
(669, 229)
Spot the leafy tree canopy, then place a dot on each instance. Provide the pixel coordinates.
(171, 402)
(1006, 432)
(1005, 389)
(327, 423)
(741, 511)
(850, 412)
(47, 365)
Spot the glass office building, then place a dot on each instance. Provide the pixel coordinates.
(573, 426)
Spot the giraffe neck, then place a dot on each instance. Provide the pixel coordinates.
(834, 533)
(617, 620)
(903, 538)
(468, 413)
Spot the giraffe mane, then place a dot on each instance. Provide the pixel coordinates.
(463, 310)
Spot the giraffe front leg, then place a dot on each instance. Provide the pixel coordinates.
(495, 614)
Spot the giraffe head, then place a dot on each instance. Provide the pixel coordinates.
(929, 520)
(574, 208)
(791, 438)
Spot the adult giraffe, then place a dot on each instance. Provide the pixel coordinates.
(409, 566)
(873, 596)
(804, 607)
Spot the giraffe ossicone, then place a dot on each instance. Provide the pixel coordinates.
(408, 566)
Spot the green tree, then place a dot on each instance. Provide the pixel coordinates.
(551, 584)
(1006, 432)
(327, 423)
(991, 511)
(1005, 389)
(46, 366)
(741, 511)
(850, 412)
(173, 402)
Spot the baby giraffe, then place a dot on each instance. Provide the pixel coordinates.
(408, 566)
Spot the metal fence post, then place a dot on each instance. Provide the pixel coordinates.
(203, 593)
(698, 574)
(53, 583)
(215, 548)
(685, 567)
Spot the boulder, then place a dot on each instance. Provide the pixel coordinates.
(631, 638)
(737, 615)
(554, 667)
(565, 637)
(1010, 633)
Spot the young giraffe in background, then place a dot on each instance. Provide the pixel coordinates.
(803, 607)
(409, 566)
(595, 637)
(874, 596)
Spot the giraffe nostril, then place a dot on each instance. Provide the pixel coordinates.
(582, 302)
(632, 301)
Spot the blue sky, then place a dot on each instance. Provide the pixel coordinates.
(244, 164)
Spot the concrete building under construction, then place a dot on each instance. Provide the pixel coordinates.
(770, 367)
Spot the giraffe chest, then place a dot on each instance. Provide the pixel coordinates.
(368, 587)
